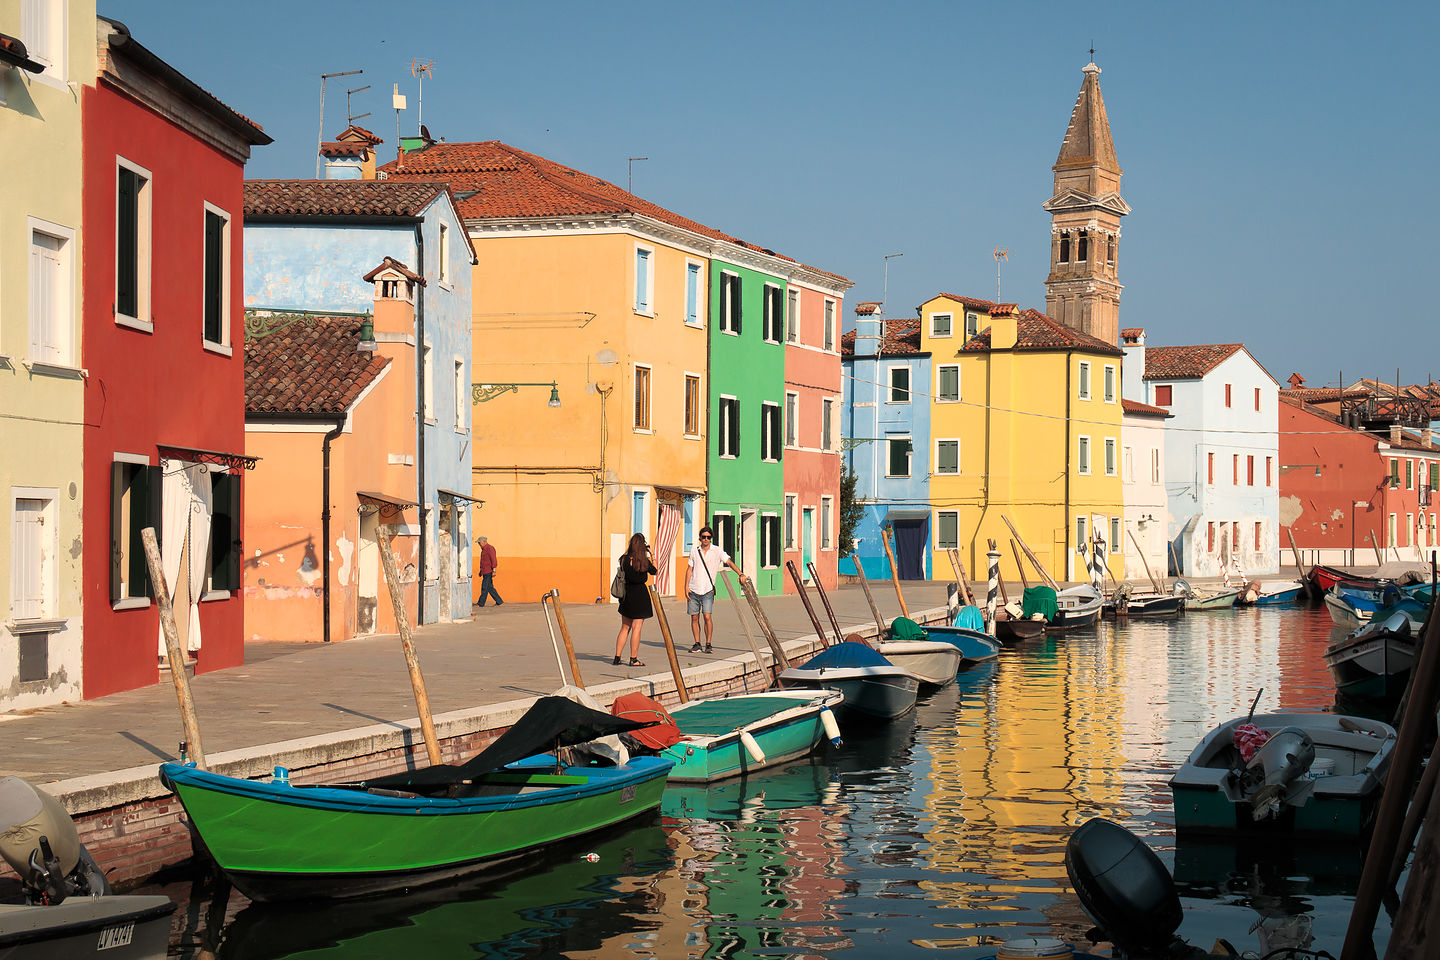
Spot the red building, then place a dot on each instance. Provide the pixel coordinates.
(163, 351)
(1355, 483)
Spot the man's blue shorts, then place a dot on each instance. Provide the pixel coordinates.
(699, 602)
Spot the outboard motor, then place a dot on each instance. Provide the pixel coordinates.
(1280, 761)
(1126, 890)
(39, 841)
(1181, 588)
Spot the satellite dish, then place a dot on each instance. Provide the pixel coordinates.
(425, 132)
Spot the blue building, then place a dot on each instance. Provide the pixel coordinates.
(886, 423)
(315, 246)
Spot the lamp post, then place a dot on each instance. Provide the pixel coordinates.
(482, 392)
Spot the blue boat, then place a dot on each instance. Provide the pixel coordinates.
(976, 646)
(873, 687)
(1281, 592)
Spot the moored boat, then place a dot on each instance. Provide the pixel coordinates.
(281, 841)
(872, 686)
(936, 663)
(726, 737)
(1009, 630)
(1149, 605)
(1075, 608)
(1278, 592)
(1375, 660)
(1311, 773)
(1220, 600)
(976, 646)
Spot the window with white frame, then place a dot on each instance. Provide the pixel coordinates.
(723, 524)
(644, 281)
(1110, 456)
(897, 459)
(770, 327)
(1109, 383)
(1083, 460)
(827, 424)
(642, 397)
(427, 360)
(829, 325)
(899, 380)
(792, 419)
(34, 552)
(947, 383)
(941, 324)
(947, 529)
(1081, 541)
(728, 441)
(692, 405)
(135, 487)
(43, 28)
(223, 573)
(1084, 380)
(947, 457)
(730, 303)
(770, 555)
(132, 244)
(52, 294)
(827, 523)
(461, 395)
(1154, 464)
(443, 254)
(1114, 534)
(770, 432)
(792, 315)
(462, 540)
(789, 518)
(217, 277)
(972, 325)
(692, 293)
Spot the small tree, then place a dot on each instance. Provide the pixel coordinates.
(852, 510)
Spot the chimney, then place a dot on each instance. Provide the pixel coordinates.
(1004, 329)
(1395, 433)
(1132, 370)
(1427, 436)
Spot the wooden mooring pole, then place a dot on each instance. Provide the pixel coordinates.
(669, 644)
(188, 720)
(805, 599)
(782, 662)
(869, 597)
(829, 610)
(772, 676)
(894, 573)
(554, 596)
(407, 644)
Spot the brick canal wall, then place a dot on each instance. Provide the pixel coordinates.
(134, 826)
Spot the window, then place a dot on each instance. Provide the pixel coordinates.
(1109, 456)
(1084, 380)
(132, 244)
(1227, 394)
(729, 439)
(34, 552)
(644, 281)
(827, 424)
(829, 343)
(639, 511)
(217, 276)
(692, 294)
(947, 457)
(1065, 247)
(134, 505)
(792, 419)
(1394, 474)
(827, 523)
(428, 371)
(1390, 531)
(947, 383)
(940, 324)
(1267, 470)
(225, 544)
(460, 396)
(1435, 476)
(1080, 533)
(1083, 255)
(1154, 464)
(443, 254)
(729, 304)
(790, 500)
(1210, 468)
(947, 529)
(1129, 460)
(1409, 474)
(692, 405)
(1258, 526)
(1110, 249)
(770, 327)
(1235, 469)
(770, 432)
(1162, 395)
(1084, 459)
(898, 451)
(642, 397)
(724, 526)
(972, 324)
(1109, 383)
(1249, 470)
(1235, 535)
(1114, 534)
(899, 384)
(1257, 398)
(792, 316)
(43, 30)
(1409, 527)
(462, 537)
(1210, 536)
(52, 298)
(769, 540)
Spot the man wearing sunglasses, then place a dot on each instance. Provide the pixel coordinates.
(706, 560)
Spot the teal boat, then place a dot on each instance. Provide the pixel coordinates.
(744, 799)
(731, 736)
(284, 841)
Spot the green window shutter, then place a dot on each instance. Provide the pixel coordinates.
(146, 493)
(214, 271)
(127, 225)
(117, 507)
(735, 302)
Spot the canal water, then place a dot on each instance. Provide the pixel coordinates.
(943, 832)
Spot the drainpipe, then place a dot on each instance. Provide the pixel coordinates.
(1069, 521)
(423, 515)
(325, 523)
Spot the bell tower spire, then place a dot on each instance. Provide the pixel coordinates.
(1083, 289)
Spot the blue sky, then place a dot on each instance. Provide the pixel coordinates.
(1274, 153)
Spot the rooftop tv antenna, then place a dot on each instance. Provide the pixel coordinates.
(352, 117)
(320, 137)
(629, 171)
(397, 100)
(1000, 256)
(420, 69)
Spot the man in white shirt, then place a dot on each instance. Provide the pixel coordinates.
(706, 560)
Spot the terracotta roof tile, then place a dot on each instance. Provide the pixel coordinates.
(344, 148)
(310, 365)
(1035, 331)
(867, 308)
(356, 132)
(1143, 409)
(339, 198)
(497, 181)
(390, 263)
(1186, 363)
(1322, 394)
(974, 303)
(901, 336)
(1131, 332)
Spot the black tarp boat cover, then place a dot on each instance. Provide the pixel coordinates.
(550, 723)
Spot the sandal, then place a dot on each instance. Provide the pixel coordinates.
(636, 662)
(615, 662)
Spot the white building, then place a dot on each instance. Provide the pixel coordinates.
(1221, 461)
(1147, 509)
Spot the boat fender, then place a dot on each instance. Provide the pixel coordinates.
(751, 747)
(832, 728)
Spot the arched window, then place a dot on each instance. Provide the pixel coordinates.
(1064, 247)
(1083, 254)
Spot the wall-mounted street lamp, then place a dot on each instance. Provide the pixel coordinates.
(481, 392)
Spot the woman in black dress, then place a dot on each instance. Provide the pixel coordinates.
(635, 608)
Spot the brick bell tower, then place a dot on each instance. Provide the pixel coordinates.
(1082, 290)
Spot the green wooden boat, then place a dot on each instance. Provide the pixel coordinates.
(730, 736)
(281, 841)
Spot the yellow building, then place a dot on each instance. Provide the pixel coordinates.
(1025, 424)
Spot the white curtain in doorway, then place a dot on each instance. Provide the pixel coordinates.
(670, 518)
(186, 507)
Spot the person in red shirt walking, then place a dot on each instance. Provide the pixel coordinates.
(488, 565)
